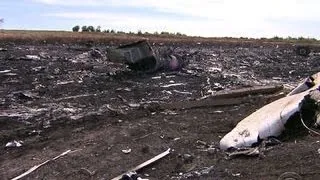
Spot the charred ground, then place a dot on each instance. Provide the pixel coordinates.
(66, 97)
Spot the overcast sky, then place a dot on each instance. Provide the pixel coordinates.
(214, 18)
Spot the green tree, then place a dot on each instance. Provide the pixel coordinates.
(76, 28)
(91, 29)
(98, 29)
(84, 29)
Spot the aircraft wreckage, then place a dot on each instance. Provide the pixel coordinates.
(270, 120)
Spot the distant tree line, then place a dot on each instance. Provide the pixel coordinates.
(77, 28)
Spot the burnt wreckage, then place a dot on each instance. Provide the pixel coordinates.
(139, 56)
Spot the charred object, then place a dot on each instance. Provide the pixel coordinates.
(140, 56)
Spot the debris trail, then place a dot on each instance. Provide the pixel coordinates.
(39, 165)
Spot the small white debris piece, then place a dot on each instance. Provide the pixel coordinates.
(182, 92)
(168, 92)
(134, 105)
(172, 85)
(14, 144)
(126, 151)
(33, 57)
(5, 71)
(214, 69)
(156, 77)
(139, 178)
(64, 82)
(318, 151)
(236, 174)
(71, 110)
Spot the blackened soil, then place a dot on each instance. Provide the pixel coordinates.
(66, 97)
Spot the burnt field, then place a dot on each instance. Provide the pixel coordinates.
(55, 97)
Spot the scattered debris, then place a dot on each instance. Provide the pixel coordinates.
(14, 144)
(209, 102)
(150, 161)
(182, 92)
(39, 165)
(31, 57)
(87, 172)
(25, 95)
(3, 49)
(126, 151)
(134, 105)
(245, 92)
(96, 53)
(268, 121)
(196, 173)
(289, 175)
(236, 174)
(132, 176)
(5, 71)
(173, 85)
(64, 82)
(246, 151)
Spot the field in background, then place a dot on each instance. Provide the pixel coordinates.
(100, 37)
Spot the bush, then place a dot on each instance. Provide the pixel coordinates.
(76, 28)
